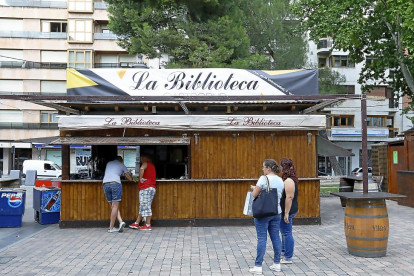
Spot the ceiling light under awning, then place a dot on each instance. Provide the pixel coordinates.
(166, 140)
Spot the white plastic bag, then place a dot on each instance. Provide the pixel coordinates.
(248, 205)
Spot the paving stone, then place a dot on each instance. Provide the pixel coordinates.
(319, 250)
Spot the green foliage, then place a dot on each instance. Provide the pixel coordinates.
(383, 30)
(331, 82)
(209, 33)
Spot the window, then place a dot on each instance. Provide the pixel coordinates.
(53, 56)
(48, 117)
(349, 89)
(342, 120)
(52, 87)
(341, 61)
(377, 121)
(369, 60)
(80, 6)
(11, 116)
(321, 62)
(80, 31)
(80, 59)
(11, 24)
(54, 26)
(323, 43)
(11, 86)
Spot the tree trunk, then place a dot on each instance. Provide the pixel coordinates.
(334, 162)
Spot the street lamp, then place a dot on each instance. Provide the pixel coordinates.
(140, 63)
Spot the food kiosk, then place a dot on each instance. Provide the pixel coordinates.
(207, 152)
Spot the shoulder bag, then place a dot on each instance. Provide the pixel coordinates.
(265, 204)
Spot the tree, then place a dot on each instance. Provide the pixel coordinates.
(383, 30)
(273, 33)
(207, 33)
(330, 82)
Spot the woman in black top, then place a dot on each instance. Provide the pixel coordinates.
(289, 205)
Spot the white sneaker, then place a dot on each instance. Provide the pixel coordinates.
(275, 267)
(113, 230)
(121, 227)
(256, 270)
(283, 261)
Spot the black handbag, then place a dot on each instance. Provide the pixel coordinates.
(266, 203)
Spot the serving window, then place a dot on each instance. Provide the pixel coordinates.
(170, 155)
(171, 162)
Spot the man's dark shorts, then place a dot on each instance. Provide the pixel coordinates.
(113, 191)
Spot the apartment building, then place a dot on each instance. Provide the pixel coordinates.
(384, 113)
(38, 41)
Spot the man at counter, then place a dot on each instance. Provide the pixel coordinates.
(146, 183)
(113, 190)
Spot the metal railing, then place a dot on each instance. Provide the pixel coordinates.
(29, 126)
(114, 65)
(102, 36)
(34, 93)
(32, 65)
(100, 6)
(37, 4)
(42, 35)
(52, 65)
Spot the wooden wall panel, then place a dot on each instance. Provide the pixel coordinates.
(240, 156)
(176, 200)
(393, 168)
(409, 140)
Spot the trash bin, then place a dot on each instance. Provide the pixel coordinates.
(46, 205)
(12, 203)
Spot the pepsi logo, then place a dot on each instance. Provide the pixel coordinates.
(14, 199)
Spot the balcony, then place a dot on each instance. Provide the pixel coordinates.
(29, 126)
(22, 34)
(103, 36)
(36, 4)
(51, 65)
(114, 65)
(32, 65)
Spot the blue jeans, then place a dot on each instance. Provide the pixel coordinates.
(113, 191)
(263, 225)
(288, 243)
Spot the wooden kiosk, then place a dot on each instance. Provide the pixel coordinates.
(223, 145)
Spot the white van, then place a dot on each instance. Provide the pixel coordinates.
(44, 168)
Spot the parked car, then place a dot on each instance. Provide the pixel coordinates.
(357, 172)
(44, 168)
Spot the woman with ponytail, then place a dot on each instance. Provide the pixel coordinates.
(268, 224)
(289, 205)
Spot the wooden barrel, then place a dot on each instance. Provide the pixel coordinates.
(345, 185)
(366, 227)
(372, 186)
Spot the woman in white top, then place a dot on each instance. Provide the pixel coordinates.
(269, 224)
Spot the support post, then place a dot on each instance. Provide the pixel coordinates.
(65, 162)
(364, 144)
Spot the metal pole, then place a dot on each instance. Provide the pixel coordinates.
(364, 144)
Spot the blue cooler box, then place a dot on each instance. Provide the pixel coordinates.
(12, 203)
(46, 203)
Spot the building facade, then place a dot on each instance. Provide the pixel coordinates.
(384, 113)
(38, 41)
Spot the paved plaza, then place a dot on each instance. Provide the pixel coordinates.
(319, 250)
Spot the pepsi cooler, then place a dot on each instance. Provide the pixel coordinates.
(46, 205)
(12, 203)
